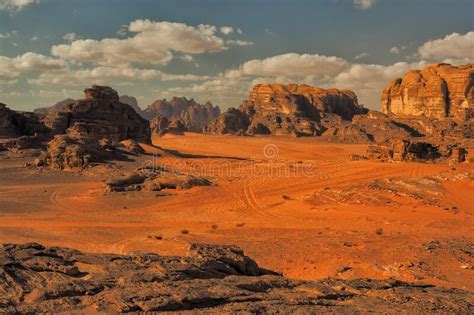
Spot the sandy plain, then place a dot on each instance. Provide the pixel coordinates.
(299, 206)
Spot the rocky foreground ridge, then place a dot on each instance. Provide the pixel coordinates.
(211, 279)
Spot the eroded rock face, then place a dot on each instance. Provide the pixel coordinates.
(66, 153)
(437, 91)
(194, 116)
(99, 115)
(233, 121)
(16, 124)
(161, 125)
(303, 100)
(292, 109)
(212, 279)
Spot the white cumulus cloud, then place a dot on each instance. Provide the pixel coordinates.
(152, 44)
(454, 46)
(226, 30)
(15, 5)
(364, 4)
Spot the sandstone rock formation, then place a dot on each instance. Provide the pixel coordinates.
(287, 110)
(161, 125)
(65, 153)
(15, 124)
(102, 115)
(437, 91)
(195, 116)
(210, 280)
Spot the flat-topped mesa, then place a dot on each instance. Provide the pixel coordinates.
(437, 91)
(304, 99)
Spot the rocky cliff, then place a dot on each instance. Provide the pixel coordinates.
(287, 110)
(437, 91)
(100, 115)
(195, 116)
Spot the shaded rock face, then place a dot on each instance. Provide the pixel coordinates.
(15, 124)
(288, 110)
(194, 116)
(211, 279)
(161, 125)
(233, 121)
(99, 115)
(437, 91)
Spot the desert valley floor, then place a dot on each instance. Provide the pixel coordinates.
(334, 222)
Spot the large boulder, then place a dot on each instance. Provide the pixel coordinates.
(66, 153)
(437, 91)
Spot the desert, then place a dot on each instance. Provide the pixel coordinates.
(300, 195)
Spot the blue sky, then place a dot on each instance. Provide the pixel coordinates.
(53, 49)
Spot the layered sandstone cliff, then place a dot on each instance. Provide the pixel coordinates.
(437, 91)
(292, 109)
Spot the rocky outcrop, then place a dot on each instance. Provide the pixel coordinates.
(16, 124)
(303, 100)
(211, 279)
(66, 153)
(194, 116)
(233, 121)
(99, 115)
(287, 110)
(437, 91)
(162, 125)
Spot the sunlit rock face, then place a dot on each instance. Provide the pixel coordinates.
(308, 100)
(437, 91)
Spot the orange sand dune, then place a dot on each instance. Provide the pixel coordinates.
(274, 197)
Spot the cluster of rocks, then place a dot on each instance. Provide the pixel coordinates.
(75, 134)
(426, 115)
(155, 179)
(211, 279)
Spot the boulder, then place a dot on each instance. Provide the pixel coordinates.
(437, 91)
(66, 153)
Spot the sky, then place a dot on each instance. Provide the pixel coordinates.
(218, 49)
